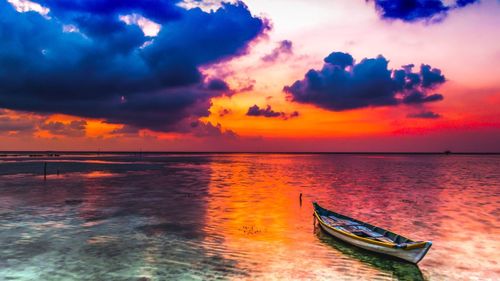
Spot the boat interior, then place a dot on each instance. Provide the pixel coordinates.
(362, 229)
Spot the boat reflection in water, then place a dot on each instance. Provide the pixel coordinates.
(398, 269)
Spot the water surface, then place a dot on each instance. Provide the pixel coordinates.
(238, 216)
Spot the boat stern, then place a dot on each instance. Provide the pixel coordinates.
(421, 252)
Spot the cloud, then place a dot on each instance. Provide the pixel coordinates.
(218, 85)
(14, 122)
(247, 88)
(19, 123)
(284, 48)
(268, 112)
(255, 110)
(416, 10)
(424, 115)
(224, 111)
(205, 130)
(126, 130)
(430, 76)
(418, 97)
(108, 69)
(74, 128)
(16, 125)
(463, 3)
(26, 6)
(340, 59)
(294, 114)
(343, 84)
(149, 28)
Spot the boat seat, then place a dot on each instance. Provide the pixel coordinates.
(354, 228)
(365, 232)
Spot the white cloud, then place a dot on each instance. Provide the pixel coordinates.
(70, 28)
(23, 6)
(149, 27)
(206, 6)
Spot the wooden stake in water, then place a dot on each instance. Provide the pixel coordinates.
(45, 171)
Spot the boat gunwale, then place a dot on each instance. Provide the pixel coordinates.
(413, 245)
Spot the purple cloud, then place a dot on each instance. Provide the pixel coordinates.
(268, 112)
(343, 84)
(416, 10)
(284, 48)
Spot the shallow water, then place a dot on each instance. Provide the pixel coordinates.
(238, 216)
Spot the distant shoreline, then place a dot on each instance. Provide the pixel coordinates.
(66, 152)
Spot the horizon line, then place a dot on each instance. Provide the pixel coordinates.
(446, 152)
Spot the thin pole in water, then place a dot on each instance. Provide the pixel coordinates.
(45, 171)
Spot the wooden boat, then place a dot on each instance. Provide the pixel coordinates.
(370, 237)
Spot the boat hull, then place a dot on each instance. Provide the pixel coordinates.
(410, 255)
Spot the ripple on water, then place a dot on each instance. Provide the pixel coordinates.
(238, 217)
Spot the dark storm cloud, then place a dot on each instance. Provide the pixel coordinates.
(340, 59)
(424, 115)
(343, 84)
(430, 76)
(463, 3)
(218, 85)
(415, 10)
(255, 110)
(157, 10)
(111, 70)
(284, 48)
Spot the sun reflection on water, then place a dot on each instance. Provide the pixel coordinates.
(239, 217)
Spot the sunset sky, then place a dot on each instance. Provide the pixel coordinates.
(257, 75)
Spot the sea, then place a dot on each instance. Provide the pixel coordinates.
(230, 216)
